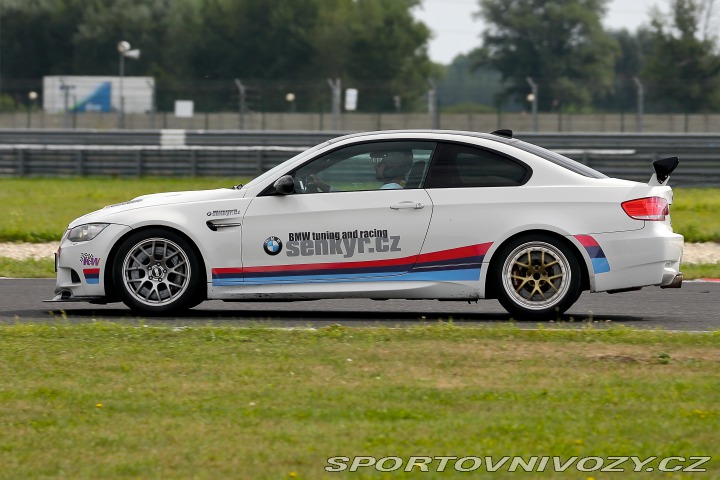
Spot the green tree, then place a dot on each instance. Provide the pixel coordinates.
(375, 45)
(388, 47)
(465, 88)
(683, 69)
(80, 37)
(559, 43)
(633, 50)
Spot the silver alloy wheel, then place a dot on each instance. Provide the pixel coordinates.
(536, 275)
(156, 271)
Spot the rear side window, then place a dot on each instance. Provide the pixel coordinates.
(462, 166)
(557, 159)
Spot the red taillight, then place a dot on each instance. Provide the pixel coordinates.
(650, 208)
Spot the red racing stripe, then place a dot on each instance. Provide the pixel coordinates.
(461, 252)
(586, 241)
(469, 251)
(226, 271)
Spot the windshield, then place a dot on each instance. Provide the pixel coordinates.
(557, 159)
(279, 168)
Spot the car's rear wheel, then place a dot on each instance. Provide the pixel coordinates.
(158, 272)
(537, 277)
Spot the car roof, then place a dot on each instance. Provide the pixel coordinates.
(548, 155)
(429, 133)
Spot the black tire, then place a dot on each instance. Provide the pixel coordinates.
(537, 277)
(158, 272)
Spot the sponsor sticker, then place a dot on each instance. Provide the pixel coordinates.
(272, 245)
(347, 243)
(223, 213)
(89, 259)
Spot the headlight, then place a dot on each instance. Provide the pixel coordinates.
(84, 233)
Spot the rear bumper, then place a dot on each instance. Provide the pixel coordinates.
(650, 256)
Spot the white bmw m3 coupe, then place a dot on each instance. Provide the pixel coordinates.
(394, 214)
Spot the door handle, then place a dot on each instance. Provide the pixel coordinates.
(214, 226)
(407, 205)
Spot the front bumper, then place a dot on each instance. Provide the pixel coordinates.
(81, 266)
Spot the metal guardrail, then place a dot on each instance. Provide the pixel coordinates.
(27, 160)
(244, 153)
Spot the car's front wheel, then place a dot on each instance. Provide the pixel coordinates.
(158, 272)
(537, 277)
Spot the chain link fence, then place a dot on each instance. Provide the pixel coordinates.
(321, 106)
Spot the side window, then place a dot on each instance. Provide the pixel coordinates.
(368, 166)
(462, 166)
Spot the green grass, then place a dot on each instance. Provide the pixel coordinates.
(39, 209)
(110, 401)
(696, 214)
(29, 268)
(709, 270)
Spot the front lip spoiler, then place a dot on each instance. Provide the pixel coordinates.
(87, 299)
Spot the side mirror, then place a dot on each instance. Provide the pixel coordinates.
(285, 185)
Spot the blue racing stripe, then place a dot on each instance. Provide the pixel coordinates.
(600, 265)
(445, 275)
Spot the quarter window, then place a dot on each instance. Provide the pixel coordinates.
(462, 166)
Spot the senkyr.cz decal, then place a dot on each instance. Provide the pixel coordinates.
(455, 264)
(597, 256)
(89, 259)
(347, 244)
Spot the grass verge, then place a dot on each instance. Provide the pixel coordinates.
(44, 269)
(29, 268)
(109, 401)
(695, 214)
(707, 270)
(39, 209)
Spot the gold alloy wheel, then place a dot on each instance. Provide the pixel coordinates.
(536, 275)
(156, 271)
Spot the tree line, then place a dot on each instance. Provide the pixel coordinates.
(202, 41)
(561, 46)
(558, 44)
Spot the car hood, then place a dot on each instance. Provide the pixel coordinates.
(157, 200)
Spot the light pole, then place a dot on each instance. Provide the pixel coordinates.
(533, 99)
(290, 98)
(66, 93)
(432, 105)
(242, 107)
(336, 89)
(640, 103)
(32, 96)
(123, 49)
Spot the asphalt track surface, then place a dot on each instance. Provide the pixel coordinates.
(694, 307)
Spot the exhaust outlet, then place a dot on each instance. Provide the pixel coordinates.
(676, 282)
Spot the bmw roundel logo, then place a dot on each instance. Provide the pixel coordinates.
(272, 245)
